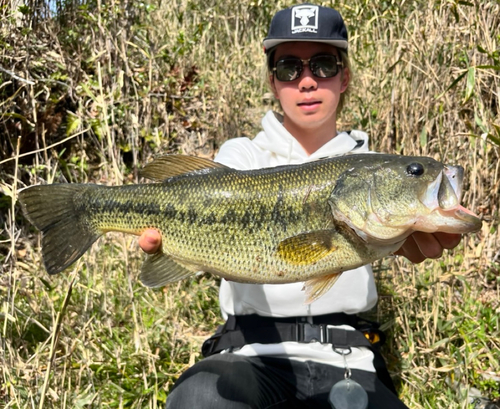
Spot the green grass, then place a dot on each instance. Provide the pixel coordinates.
(113, 333)
(104, 87)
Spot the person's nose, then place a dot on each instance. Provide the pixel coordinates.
(307, 80)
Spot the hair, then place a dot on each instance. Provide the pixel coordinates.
(344, 57)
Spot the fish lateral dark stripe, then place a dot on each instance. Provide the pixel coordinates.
(277, 215)
(209, 220)
(247, 221)
(230, 217)
(99, 204)
(192, 216)
(170, 212)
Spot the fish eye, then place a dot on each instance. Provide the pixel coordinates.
(415, 169)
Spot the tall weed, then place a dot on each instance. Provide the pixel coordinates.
(90, 91)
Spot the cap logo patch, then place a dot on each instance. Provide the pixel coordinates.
(305, 19)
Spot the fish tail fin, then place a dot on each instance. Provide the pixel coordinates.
(52, 210)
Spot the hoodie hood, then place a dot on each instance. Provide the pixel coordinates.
(276, 139)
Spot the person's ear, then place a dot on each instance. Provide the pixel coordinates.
(346, 78)
(273, 86)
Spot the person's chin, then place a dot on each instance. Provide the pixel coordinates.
(312, 116)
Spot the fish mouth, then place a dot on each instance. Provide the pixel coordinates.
(442, 198)
(445, 191)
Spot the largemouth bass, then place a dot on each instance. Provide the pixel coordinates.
(292, 223)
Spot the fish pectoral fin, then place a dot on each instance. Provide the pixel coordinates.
(168, 166)
(317, 287)
(306, 248)
(159, 269)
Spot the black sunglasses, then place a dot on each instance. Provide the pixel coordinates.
(321, 65)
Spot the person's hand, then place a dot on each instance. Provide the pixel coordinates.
(420, 246)
(150, 241)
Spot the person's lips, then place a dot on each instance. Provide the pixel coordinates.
(310, 104)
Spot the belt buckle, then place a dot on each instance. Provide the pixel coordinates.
(307, 333)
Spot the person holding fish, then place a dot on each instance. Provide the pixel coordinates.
(276, 350)
(290, 221)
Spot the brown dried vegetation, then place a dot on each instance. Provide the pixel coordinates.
(90, 91)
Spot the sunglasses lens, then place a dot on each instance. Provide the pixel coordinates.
(288, 69)
(324, 66)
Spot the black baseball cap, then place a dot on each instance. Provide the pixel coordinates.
(307, 22)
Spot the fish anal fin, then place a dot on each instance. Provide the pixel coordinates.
(160, 269)
(168, 166)
(317, 287)
(306, 248)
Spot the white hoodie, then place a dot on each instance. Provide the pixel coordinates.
(354, 291)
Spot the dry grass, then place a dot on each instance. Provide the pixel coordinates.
(93, 94)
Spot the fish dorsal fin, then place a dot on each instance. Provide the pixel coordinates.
(167, 166)
(317, 287)
(159, 269)
(306, 248)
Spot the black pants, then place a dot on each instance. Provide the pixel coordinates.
(228, 381)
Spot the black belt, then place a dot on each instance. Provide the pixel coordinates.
(250, 329)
